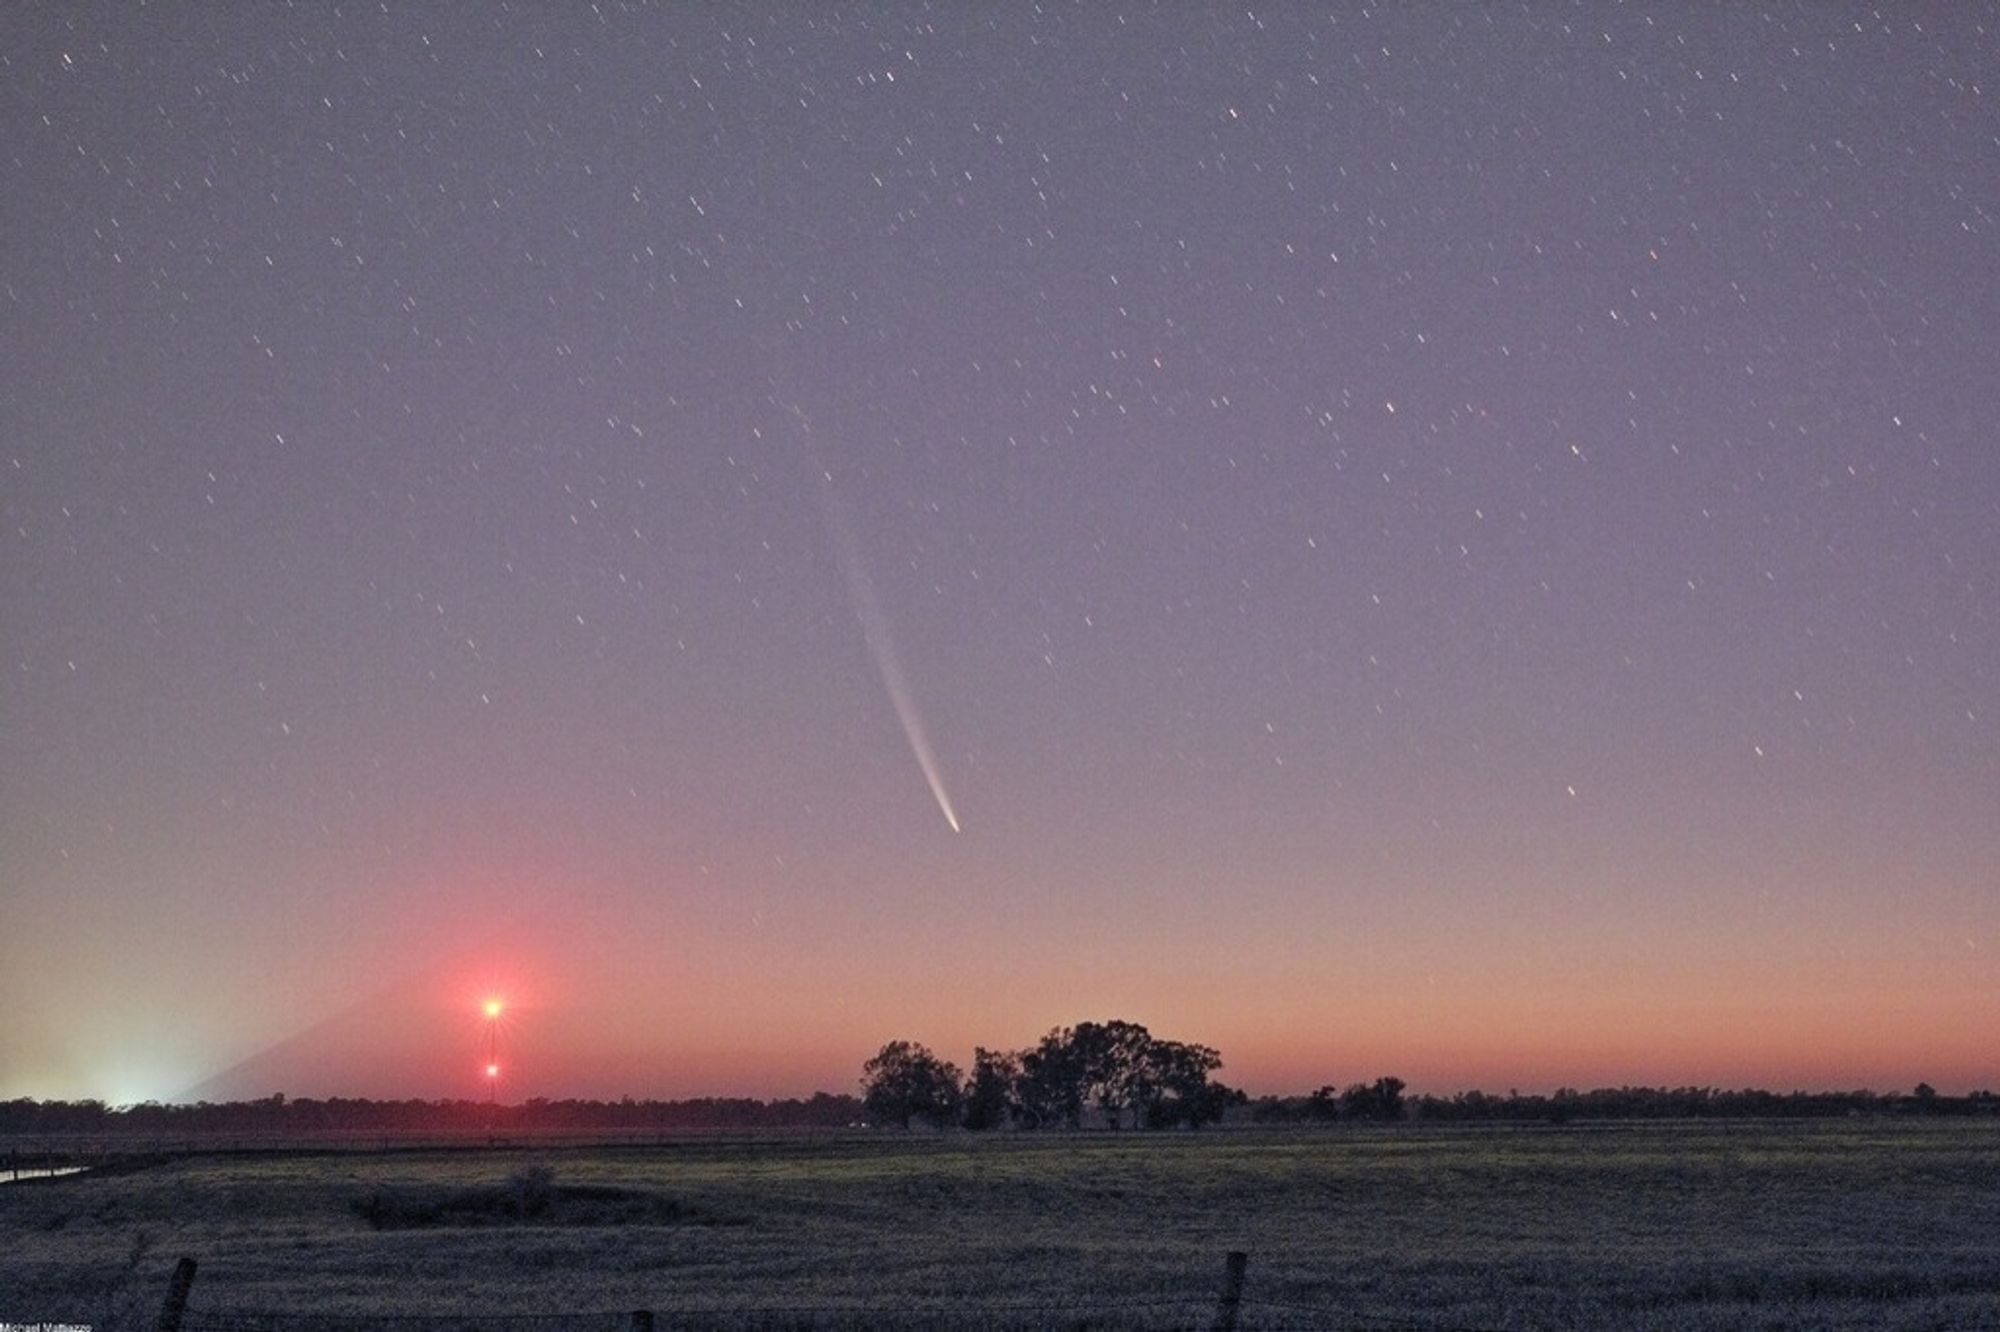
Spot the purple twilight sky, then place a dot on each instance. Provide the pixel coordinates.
(1462, 541)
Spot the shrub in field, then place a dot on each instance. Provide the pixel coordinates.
(533, 1188)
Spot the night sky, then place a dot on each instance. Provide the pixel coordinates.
(1441, 540)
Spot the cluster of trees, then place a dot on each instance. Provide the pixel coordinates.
(1383, 1099)
(304, 1116)
(1380, 1100)
(1116, 1072)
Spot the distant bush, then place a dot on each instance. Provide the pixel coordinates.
(533, 1188)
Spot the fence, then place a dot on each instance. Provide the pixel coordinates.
(1231, 1307)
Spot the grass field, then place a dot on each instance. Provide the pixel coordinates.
(1865, 1224)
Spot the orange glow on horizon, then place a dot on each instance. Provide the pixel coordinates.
(1534, 1004)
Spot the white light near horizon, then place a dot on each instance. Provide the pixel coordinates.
(137, 1086)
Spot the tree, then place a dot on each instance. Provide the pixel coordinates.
(1113, 1068)
(1050, 1089)
(905, 1081)
(1133, 1073)
(989, 1094)
(1381, 1099)
(1180, 1071)
(1112, 1060)
(1116, 1068)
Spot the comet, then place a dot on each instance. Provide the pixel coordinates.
(875, 624)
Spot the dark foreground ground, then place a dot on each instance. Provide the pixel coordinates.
(1867, 1224)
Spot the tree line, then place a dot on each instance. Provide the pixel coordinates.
(279, 1115)
(1115, 1073)
(1383, 1100)
(1094, 1073)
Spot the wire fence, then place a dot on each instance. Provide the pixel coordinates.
(1133, 1314)
(1228, 1307)
(1161, 1315)
(1253, 1315)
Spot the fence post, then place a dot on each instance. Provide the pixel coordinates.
(642, 1320)
(1232, 1291)
(176, 1302)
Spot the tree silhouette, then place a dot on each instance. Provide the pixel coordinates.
(1050, 1089)
(1188, 1096)
(1114, 1068)
(905, 1081)
(1380, 1099)
(989, 1093)
(1113, 1059)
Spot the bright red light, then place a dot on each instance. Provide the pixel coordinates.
(493, 1070)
